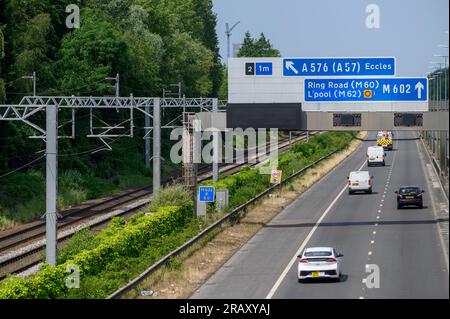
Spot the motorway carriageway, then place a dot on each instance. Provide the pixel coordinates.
(367, 229)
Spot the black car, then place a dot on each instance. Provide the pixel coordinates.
(409, 195)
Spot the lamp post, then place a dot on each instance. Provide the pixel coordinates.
(436, 74)
(228, 33)
(439, 64)
(445, 73)
(428, 133)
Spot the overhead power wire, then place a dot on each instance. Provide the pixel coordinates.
(26, 165)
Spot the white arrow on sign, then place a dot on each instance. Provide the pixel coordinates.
(419, 87)
(290, 66)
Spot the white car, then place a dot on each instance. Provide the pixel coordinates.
(376, 156)
(319, 262)
(360, 181)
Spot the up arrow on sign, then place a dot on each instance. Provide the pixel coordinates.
(419, 87)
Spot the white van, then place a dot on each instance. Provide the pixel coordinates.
(376, 156)
(360, 181)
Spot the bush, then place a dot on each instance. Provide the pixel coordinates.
(81, 240)
(128, 242)
(172, 195)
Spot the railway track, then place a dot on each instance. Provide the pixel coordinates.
(23, 248)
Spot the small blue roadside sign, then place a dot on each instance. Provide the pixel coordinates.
(366, 90)
(206, 194)
(381, 66)
(259, 68)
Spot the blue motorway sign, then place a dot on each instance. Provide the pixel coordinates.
(206, 194)
(366, 90)
(383, 66)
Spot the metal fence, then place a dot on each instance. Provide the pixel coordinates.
(438, 143)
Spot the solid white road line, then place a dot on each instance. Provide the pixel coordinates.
(440, 235)
(305, 242)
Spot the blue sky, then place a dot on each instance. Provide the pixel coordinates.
(411, 30)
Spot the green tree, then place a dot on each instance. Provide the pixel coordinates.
(257, 47)
(146, 53)
(223, 90)
(189, 61)
(204, 10)
(87, 55)
(169, 16)
(2, 55)
(34, 53)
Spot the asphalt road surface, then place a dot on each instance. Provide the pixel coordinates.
(404, 245)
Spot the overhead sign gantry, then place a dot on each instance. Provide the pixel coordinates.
(285, 93)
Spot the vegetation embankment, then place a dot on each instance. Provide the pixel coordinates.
(150, 44)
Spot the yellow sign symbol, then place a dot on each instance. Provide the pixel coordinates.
(368, 94)
(275, 177)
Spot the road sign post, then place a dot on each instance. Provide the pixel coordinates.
(205, 195)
